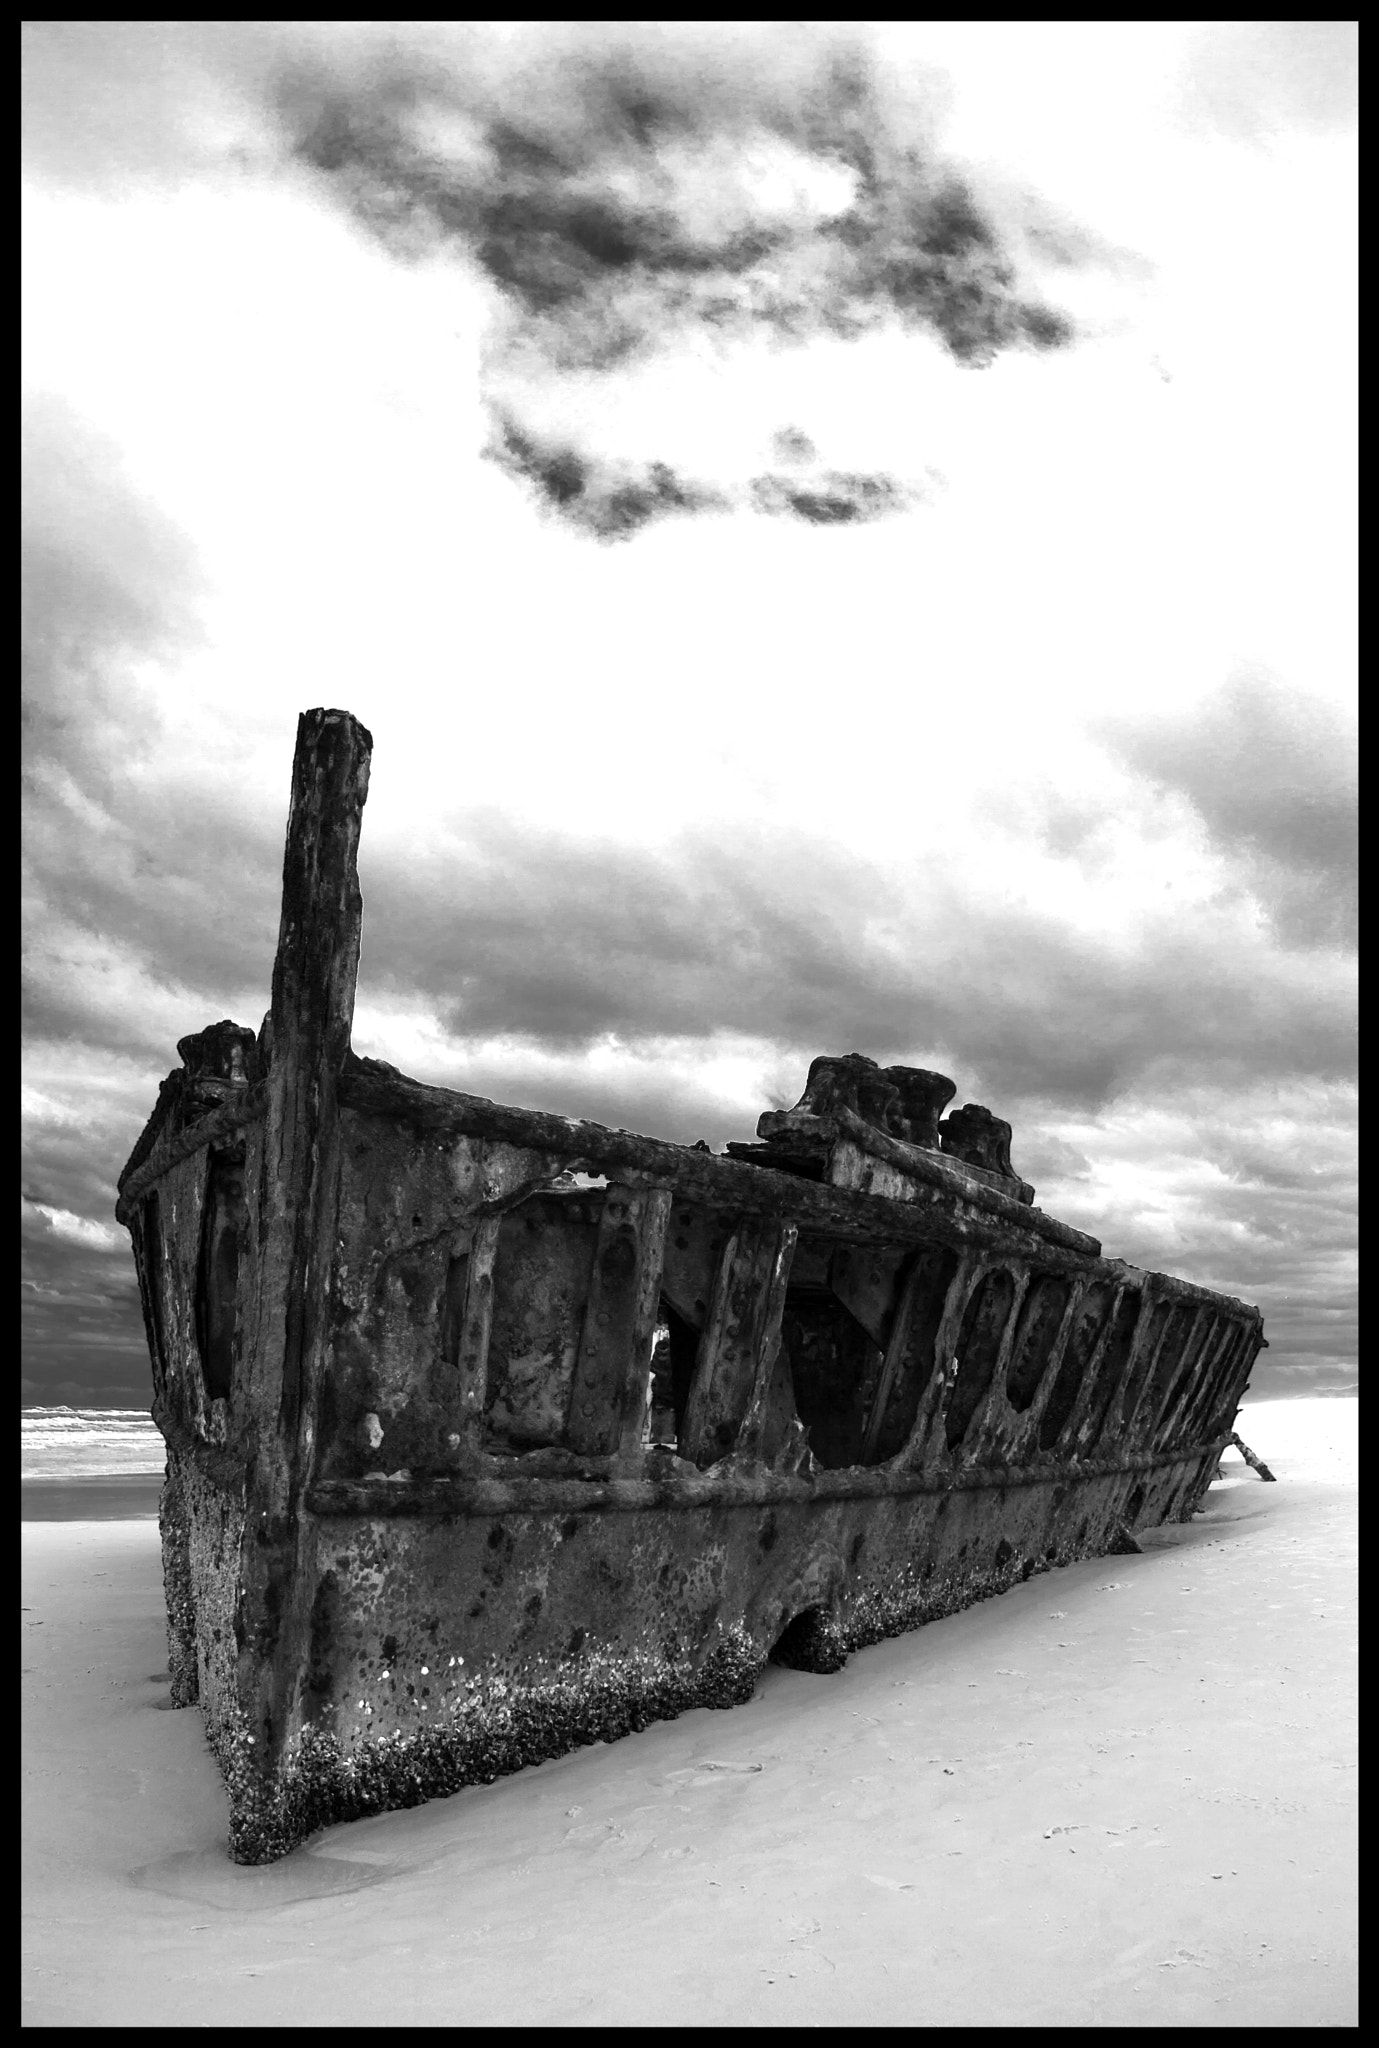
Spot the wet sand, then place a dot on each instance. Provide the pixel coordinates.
(119, 1497)
(1122, 1794)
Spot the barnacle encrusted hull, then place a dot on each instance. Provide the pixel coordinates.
(491, 1432)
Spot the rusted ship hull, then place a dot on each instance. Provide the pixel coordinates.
(491, 1433)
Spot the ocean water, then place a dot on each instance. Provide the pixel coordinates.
(89, 1465)
(88, 1443)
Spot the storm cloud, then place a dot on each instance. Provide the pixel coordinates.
(123, 852)
(784, 938)
(620, 185)
(80, 1323)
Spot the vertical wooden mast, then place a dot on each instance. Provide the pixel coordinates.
(314, 978)
(308, 1035)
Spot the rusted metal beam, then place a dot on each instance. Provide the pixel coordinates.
(475, 1329)
(603, 1489)
(740, 1337)
(1256, 1464)
(613, 1367)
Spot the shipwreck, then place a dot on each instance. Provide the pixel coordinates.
(492, 1432)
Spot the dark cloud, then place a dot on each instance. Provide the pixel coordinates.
(564, 943)
(625, 188)
(1253, 1193)
(1045, 1157)
(80, 1321)
(1273, 776)
(137, 897)
(124, 863)
(611, 501)
(611, 184)
(1275, 1239)
(832, 498)
(125, 880)
(66, 1163)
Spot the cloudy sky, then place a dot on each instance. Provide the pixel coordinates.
(844, 539)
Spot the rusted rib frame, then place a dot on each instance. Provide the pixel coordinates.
(476, 1328)
(219, 1124)
(373, 1090)
(1091, 1364)
(476, 1497)
(1185, 1376)
(741, 1336)
(894, 1361)
(613, 1366)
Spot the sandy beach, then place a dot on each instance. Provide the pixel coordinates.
(116, 1497)
(1122, 1794)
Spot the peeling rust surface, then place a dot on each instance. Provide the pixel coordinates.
(493, 1432)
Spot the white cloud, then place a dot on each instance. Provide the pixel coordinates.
(79, 1230)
